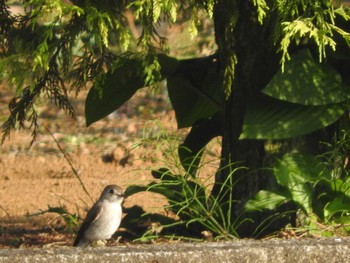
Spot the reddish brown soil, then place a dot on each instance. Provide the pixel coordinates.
(35, 177)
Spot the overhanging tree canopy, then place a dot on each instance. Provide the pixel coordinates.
(280, 69)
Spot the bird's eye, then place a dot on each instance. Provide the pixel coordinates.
(111, 191)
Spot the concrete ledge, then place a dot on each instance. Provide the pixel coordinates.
(305, 250)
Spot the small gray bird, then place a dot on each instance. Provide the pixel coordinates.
(103, 219)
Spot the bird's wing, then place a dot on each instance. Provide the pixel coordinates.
(93, 214)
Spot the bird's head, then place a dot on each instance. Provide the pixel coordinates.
(113, 193)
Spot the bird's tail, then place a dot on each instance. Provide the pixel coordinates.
(81, 242)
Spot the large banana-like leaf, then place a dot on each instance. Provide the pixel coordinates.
(316, 104)
(304, 81)
(269, 118)
(194, 91)
(117, 87)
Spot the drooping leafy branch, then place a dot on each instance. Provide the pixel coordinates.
(78, 41)
(56, 42)
(303, 21)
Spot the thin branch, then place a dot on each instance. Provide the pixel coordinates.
(75, 172)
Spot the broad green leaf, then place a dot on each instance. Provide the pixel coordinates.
(134, 189)
(302, 195)
(162, 189)
(340, 204)
(195, 91)
(297, 173)
(300, 168)
(265, 200)
(335, 186)
(344, 220)
(269, 118)
(112, 91)
(304, 81)
(168, 65)
(117, 87)
(341, 186)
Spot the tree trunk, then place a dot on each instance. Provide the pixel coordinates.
(245, 38)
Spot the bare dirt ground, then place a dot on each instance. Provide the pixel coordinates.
(120, 149)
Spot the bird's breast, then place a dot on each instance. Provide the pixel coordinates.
(112, 214)
(107, 223)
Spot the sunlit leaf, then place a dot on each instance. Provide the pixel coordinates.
(269, 118)
(340, 204)
(297, 173)
(301, 168)
(304, 81)
(265, 200)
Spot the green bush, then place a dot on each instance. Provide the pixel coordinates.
(312, 186)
